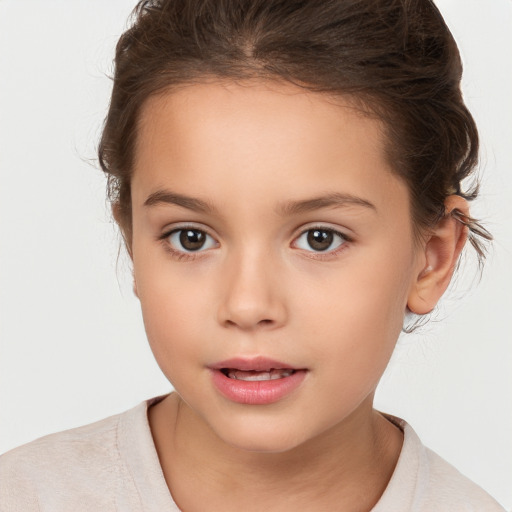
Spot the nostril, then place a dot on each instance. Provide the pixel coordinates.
(266, 322)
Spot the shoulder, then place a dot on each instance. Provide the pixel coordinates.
(423, 481)
(63, 470)
(77, 443)
(445, 484)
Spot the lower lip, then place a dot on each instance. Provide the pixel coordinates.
(260, 392)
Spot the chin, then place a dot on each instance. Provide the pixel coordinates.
(260, 436)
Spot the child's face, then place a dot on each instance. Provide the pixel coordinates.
(245, 172)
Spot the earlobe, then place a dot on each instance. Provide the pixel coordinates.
(441, 253)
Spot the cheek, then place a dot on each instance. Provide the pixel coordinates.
(359, 316)
(364, 293)
(176, 310)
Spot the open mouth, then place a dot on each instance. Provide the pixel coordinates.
(254, 375)
(256, 380)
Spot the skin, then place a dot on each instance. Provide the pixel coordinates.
(257, 288)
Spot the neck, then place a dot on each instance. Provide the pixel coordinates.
(348, 465)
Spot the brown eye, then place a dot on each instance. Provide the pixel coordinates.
(320, 240)
(190, 240)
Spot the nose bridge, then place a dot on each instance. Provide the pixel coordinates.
(252, 295)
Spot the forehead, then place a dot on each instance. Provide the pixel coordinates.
(264, 140)
(224, 112)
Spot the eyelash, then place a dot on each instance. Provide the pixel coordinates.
(176, 253)
(328, 254)
(180, 255)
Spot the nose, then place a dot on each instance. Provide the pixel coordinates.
(253, 294)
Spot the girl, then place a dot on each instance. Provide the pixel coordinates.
(287, 177)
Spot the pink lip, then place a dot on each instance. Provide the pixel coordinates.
(255, 392)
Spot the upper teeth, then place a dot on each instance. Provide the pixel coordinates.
(253, 375)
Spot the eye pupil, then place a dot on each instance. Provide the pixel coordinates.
(192, 239)
(319, 239)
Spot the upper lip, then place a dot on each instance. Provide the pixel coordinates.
(259, 364)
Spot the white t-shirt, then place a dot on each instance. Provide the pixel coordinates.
(112, 465)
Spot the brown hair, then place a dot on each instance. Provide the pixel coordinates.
(397, 57)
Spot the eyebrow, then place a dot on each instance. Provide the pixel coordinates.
(334, 199)
(168, 197)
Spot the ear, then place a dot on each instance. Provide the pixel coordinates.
(120, 218)
(124, 224)
(441, 253)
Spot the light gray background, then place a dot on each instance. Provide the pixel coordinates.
(72, 344)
